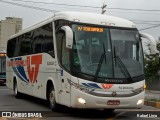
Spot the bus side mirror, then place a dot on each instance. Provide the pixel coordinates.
(153, 44)
(69, 36)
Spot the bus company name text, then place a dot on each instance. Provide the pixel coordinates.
(16, 63)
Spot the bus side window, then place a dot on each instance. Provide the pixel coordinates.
(59, 45)
(37, 39)
(63, 52)
(18, 46)
(25, 44)
(48, 47)
(11, 45)
(37, 46)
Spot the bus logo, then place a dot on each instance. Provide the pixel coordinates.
(33, 67)
(114, 94)
(106, 86)
(32, 64)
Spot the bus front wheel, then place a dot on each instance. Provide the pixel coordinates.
(52, 99)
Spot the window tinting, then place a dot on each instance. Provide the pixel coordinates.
(11, 45)
(25, 44)
(36, 41)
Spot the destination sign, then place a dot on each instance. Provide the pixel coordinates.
(90, 29)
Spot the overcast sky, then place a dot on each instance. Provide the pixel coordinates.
(32, 16)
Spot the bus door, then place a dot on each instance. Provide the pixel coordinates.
(65, 91)
(64, 76)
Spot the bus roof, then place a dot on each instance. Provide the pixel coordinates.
(95, 18)
(83, 17)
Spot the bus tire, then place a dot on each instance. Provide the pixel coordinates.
(52, 100)
(15, 88)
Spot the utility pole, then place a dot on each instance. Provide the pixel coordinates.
(103, 8)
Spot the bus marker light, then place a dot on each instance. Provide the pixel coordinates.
(76, 20)
(81, 100)
(140, 102)
(104, 23)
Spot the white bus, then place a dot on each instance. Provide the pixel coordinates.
(79, 60)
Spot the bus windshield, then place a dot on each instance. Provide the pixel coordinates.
(95, 50)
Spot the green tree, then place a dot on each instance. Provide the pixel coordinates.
(152, 66)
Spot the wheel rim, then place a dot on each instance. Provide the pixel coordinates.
(52, 98)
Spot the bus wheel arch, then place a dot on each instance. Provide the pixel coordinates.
(51, 96)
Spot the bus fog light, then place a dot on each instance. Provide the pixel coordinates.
(81, 100)
(140, 102)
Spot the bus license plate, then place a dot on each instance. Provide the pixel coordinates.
(113, 102)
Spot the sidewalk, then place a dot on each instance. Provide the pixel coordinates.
(152, 94)
(152, 98)
(153, 91)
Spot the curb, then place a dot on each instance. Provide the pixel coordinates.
(152, 104)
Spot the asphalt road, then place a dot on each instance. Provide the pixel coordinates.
(30, 104)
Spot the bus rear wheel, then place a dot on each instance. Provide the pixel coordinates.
(16, 93)
(52, 99)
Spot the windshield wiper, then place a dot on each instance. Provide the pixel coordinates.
(100, 63)
(99, 67)
(122, 66)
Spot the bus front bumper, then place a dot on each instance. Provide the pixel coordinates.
(84, 100)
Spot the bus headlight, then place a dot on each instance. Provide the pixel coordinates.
(81, 100)
(138, 90)
(140, 102)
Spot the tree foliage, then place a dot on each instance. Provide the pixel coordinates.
(152, 66)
